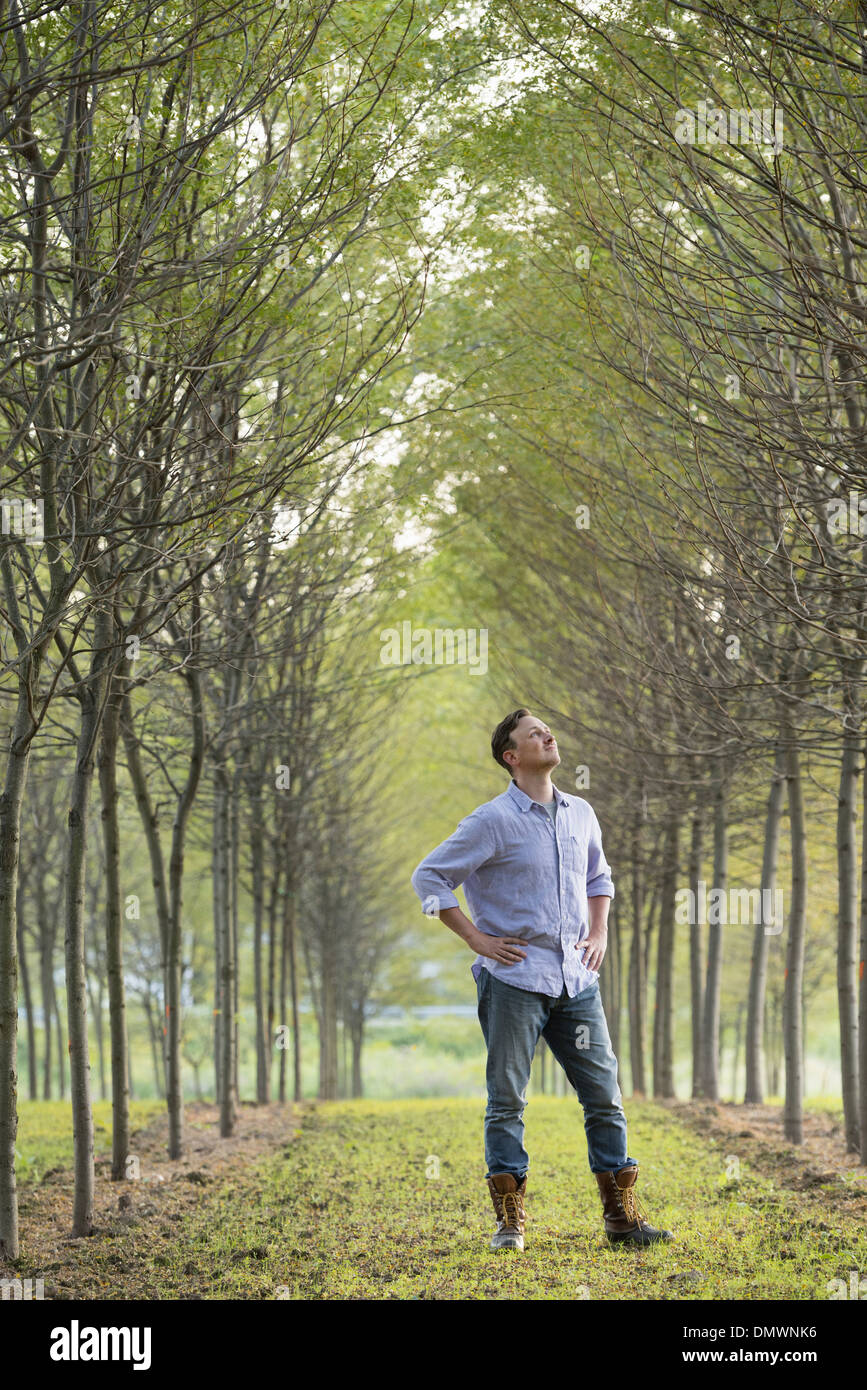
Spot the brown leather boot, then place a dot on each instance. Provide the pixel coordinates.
(622, 1212)
(508, 1200)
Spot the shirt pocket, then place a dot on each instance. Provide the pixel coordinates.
(576, 854)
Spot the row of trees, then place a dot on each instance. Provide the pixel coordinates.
(667, 476)
(210, 267)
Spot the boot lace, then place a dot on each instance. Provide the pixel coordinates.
(632, 1207)
(513, 1210)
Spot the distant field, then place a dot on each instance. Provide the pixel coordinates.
(45, 1133)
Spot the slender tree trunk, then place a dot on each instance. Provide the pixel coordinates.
(91, 699)
(793, 1119)
(862, 979)
(62, 1052)
(737, 1053)
(46, 976)
(663, 1072)
(272, 967)
(357, 1035)
(218, 887)
(847, 933)
(293, 990)
(284, 960)
(609, 982)
(257, 844)
(234, 848)
(117, 1020)
(328, 1021)
(157, 1049)
(637, 972)
(759, 962)
(651, 922)
(227, 959)
(150, 825)
(773, 1050)
(174, 944)
(10, 836)
(32, 1068)
(717, 917)
(94, 995)
(695, 943)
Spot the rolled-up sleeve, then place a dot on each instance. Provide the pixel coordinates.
(599, 880)
(447, 866)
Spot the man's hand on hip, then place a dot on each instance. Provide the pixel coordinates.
(501, 948)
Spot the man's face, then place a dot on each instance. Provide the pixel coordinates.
(535, 746)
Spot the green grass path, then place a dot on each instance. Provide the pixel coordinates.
(386, 1199)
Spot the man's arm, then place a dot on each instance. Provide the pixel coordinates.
(600, 891)
(595, 942)
(501, 948)
(445, 868)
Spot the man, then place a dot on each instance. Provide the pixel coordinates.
(539, 888)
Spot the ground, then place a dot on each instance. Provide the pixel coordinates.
(378, 1200)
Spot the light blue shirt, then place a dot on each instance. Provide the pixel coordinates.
(525, 875)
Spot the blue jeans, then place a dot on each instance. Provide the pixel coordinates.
(577, 1033)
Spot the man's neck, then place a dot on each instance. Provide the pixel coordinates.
(538, 786)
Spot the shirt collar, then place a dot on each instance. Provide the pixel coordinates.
(525, 802)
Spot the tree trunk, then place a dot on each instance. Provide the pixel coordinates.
(610, 974)
(293, 990)
(62, 1052)
(218, 891)
(227, 956)
(272, 968)
(257, 844)
(32, 1069)
(157, 1049)
(94, 995)
(46, 977)
(10, 836)
(328, 1021)
(91, 699)
(117, 1020)
(862, 980)
(663, 1069)
(695, 942)
(737, 1053)
(284, 960)
(174, 944)
(650, 923)
(793, 1121)
(357, 1034)
(716, 912)
(234, 849)
(754, 1094)
(637, 972)
(847, 933)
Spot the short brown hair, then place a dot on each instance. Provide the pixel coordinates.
(502, 737)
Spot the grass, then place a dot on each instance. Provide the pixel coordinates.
(45, 1133)
(387, 1200)
(352, 1209)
